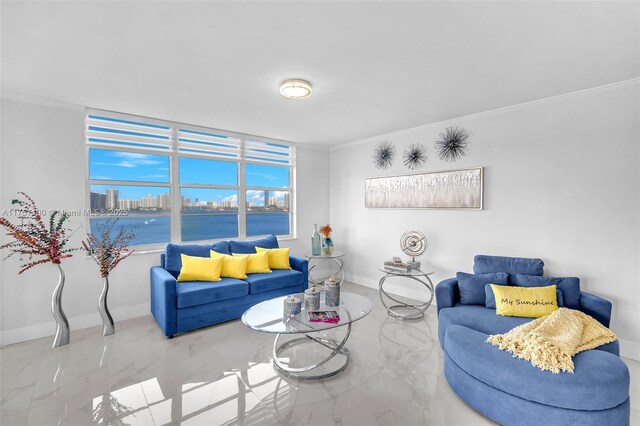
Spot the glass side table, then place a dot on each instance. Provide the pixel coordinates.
(334, 258)
(402, 310)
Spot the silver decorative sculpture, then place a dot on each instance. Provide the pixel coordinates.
(452, 143)
(62, 335)
(413, 243)
(383, 155)
(108, 251)
(414, 156)
(107, 320)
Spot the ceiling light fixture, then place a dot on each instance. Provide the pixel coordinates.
(295, 89)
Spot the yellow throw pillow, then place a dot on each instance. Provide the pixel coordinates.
(199, 268)
(278, 258)
(533, 302)
(232, 267)
(257, 263)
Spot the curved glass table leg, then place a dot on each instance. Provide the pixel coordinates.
(339, 272)
(415, 311)
(337, 349)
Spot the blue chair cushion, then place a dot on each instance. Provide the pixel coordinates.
(486, 321)
(483, 264)
(173, 261)
(490, 298)
(194, 293)
(600, 380)
(248, 247)
(477, 318)
(570, 287)
(278, 278)
(472, 286)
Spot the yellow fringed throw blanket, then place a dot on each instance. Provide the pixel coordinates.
(549, 342)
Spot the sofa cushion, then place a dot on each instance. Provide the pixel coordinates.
(195, 268)
(278, 278)
(486, 321)
(471, 286)
(600, 379)
(173, 263)
(531, 302)
(490, 298)
(477, 318)
(483, 264)
(569, 286)
(248, 247)
(194, 293)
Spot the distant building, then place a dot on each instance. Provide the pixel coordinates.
(129, 204)
(149, 202)
(97, 201)
(112, 199)
(164, 201)
(287, 196)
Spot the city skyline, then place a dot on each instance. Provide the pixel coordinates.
(226, 199)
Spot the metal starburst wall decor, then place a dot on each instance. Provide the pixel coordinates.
(383, 155)
(452, 143)
(415, 156)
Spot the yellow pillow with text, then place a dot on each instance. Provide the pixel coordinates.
(533, 302)
(199, 268)
(257, 263)
(232, 267)
(278, 258)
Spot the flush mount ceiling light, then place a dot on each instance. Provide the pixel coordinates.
(295, 89)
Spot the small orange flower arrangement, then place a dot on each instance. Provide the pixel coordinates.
(326, 230)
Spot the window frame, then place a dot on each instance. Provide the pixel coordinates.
(174, 185)
(270, 188)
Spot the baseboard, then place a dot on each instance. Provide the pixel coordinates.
(392, 287)
(36, 331)
(629, 350)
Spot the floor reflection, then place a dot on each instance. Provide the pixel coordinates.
(224, 375)
(224, 401)
(407, 338)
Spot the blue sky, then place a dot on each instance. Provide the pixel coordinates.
(118, 165)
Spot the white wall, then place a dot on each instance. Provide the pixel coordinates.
(42, 154)
(561, 183)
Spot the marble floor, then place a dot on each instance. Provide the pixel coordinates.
(223, 375)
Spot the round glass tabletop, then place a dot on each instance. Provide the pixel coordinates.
(268, 316)
(333, 255)
(408, 273)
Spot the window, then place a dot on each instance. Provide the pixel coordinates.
(175, 182)
(267, 199)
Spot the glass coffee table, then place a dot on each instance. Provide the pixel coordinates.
(314, 355)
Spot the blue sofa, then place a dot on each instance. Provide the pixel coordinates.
(511, 391)
(179, 307)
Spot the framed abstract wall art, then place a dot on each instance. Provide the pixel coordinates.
(455, 189)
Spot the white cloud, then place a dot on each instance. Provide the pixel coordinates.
(255, 195)
(262, 175)
(156, 176)
(131, 160)
(233, 197)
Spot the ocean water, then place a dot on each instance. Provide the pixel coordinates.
(157, 229)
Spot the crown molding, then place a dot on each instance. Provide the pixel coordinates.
(40, 101)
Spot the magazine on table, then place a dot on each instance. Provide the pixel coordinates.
(324, 316)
